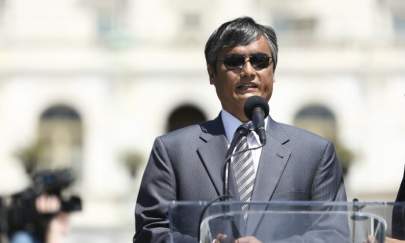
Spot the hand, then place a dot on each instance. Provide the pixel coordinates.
(387, 240)
(248, 239)
(391, 240)
(220, 238)
(47, 204)
(58, 228)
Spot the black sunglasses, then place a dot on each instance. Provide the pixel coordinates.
(237, 61)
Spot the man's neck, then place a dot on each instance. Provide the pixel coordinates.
(231, 123)
(238, 115)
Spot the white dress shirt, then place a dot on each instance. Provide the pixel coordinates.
(232, 123)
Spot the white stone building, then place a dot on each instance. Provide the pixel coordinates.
(94, 80)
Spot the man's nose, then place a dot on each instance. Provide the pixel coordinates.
(248, 69)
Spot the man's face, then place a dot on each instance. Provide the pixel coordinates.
(234, 86)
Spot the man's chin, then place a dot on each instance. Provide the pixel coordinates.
(246, 95)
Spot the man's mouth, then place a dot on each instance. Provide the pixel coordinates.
(246, 86)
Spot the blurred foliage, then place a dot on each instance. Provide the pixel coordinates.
(29, 156)
(345, 156)
(132, 160)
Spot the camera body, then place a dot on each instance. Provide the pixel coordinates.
(20, 211)
(53, 183)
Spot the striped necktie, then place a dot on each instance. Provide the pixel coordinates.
(244, 171)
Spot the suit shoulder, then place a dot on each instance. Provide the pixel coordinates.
(181, 141)
(213, 127)
(181, 133)
(306, 144)
(299, 134)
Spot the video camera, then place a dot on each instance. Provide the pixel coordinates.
(20, 211)
(53, 183)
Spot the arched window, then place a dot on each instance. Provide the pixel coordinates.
(183, 116)
(318, 119)
(322, 121)
(60, 138)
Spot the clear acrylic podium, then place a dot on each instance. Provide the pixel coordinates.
(277, 221)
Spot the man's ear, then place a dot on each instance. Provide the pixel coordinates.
(211, 74)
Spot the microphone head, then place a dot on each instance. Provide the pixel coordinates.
(255, 102)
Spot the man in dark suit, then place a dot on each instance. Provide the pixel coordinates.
(188, 164)
(398, 214)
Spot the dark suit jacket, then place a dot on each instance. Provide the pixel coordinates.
(398, 213)
(187, 165)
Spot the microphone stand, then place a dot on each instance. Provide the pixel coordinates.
(356, 216)
(240, 132)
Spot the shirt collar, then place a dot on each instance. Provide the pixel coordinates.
(232, 123)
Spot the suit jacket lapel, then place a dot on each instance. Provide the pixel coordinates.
(272, 162)
(212, 151)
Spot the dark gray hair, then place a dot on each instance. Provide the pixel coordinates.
(240, 31)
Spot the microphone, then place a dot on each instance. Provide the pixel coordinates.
(256, 109)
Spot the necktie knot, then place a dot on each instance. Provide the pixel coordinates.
(244, 129)
(248, 125)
